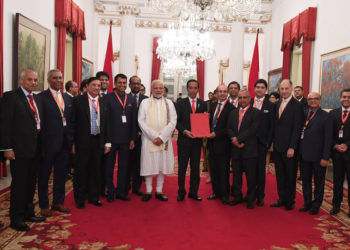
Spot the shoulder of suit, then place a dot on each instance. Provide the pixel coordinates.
(335, 111)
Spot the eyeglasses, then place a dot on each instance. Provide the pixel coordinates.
(313, 99)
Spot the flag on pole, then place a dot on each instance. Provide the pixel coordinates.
(254, 68)
(109, 60)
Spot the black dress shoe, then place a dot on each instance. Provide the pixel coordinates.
(289, 207)
(104, 194)
(35, 219)
(80, 205)
(250, 205)
(260, 202)
(161, 197)
(138, 192)
(305, 208)
(110, 198)
(314, 211)
(180, 197)
(194, 197)
(236, 202)
(225, 201)
(146, 197)
(20, 226)
(334, 210)
(96, 203)
(122, 197)
(277, 204)
(212, 197)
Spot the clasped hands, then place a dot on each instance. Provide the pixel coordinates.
(235, 142)
(341, 147)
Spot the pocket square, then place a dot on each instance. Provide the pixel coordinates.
(266, 111)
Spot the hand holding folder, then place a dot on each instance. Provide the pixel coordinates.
(200, 124)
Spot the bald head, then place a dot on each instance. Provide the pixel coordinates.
(222, 91)
(243, 98)
(286, 88)
(314, 100)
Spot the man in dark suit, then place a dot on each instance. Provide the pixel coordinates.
(104, 79)
(55, 143)
(288, 122)
(233, 89)
(91, 139)
(123, 122)
(341, 149)
(21, 113)
(219, 147)
(135, 154)
(315, 150)
(242, 129)
(265, 134)
(299, 96)
(189, 147)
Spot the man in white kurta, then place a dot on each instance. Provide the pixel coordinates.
(157, 120)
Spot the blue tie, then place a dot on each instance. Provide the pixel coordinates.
(94, 127)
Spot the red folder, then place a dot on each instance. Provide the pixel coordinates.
(200, 124)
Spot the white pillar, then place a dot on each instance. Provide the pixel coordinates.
(266, 53)
(235, 70)
(127, 44)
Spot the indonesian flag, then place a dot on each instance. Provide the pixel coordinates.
(109, 60)
(254, 68)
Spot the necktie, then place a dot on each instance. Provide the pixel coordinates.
(32, 107)
(257, 102)
(345, 112)
(94, 127)
(216, 116)
(240, 117)
(193, 106)
(283, 103)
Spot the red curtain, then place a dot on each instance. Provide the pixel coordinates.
(79, 35)
(301, 26)
(3, 167)
(200, 77)
(156, 62)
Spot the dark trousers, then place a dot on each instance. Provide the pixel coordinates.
(260, 174)
(24, 172)
(286, 174)
(103, 164)
(58, 160)
(220, 174)
(308, 168)
(249, 167)
(87, 172)
(134, 167)
(340, 167)
(122, 177)
(190, 153)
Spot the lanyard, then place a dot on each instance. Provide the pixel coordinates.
(234, 103)
(261, 102)
(93, 104)
(123, 104)
(223, 105)
(308, 119)
(281, 110)
(343, 120)
(59, 104)
(241, 115)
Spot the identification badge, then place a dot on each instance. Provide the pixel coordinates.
(123, 118)
(64, 121)
(341, 133)
(302, 135)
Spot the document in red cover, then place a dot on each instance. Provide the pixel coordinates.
(200, 124)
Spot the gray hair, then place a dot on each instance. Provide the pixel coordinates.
(155, 81)
(25, 71)
(244, 90)
(52, 71)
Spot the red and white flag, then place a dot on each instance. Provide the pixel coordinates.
(109, 60)
(254, 68)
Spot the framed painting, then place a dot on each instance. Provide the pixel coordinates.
(32, 50)
(334, 76)
(87, 70)
(274, 80)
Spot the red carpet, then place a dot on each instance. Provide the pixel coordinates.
(193, 225)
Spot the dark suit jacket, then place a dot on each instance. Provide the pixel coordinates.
(183, 110)
(81, 122)
(54, 135)
(304, 103)
(267, 125)
(318, 137)
(336, 115)
(122, 133)
(18, 124)
(221, 143)
(288, 127)
(141, 98)
(248, 133)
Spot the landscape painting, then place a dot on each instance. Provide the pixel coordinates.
(274, 80)
(32, 50)
(334, 76)
(87, 69)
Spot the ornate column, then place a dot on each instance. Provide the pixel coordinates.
(127, 39)
(235, 71)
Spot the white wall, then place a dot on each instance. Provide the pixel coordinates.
(331, 31)
(42, 12)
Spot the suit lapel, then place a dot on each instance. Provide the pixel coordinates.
(188, 104)
(86, 106)
(287, 107)
(24, 99)
(245, 117)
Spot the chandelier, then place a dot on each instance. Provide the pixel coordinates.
(180, 46)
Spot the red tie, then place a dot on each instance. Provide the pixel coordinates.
(32, 107)
(345, 112)
(193, 106)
